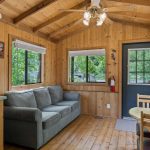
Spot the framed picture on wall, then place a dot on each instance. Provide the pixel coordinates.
(1, 49)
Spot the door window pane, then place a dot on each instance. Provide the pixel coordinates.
(132, 78)
(140, 78)
(140, 54)
(132, 55)
(147, 55)
(139, 66)
(147, 78)
(132, 66)
(147, 66)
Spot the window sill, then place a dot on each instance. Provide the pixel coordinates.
(26, 87)
(88, 84)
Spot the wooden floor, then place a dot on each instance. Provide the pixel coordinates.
(89, 133)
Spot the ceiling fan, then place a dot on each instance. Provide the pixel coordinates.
(98, 12)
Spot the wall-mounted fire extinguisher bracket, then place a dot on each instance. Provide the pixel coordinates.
(111, 82)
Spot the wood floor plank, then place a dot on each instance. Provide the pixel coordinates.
(89, 133)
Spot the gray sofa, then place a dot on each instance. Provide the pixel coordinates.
(32, 118)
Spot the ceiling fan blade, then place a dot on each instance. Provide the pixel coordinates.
(119, 9)
(108, 21)
(73, 10)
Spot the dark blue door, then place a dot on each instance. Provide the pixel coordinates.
(135, 74)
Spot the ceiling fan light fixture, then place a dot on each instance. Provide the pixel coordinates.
(95, 3)
(99, 22)
(102, 16)
(1, 16)
(86, 22)
(87, 15)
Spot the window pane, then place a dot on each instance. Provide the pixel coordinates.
(18, 66)
(140, 67)
(147, 54)
(80, 69)
(132, 78)
(147, 78)
(147, 66)
(96, 68)
(132, 55)
(140, 54)
(34, 67)
(132, 66)
(140, 78)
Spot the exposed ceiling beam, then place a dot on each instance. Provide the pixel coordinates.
(7, 20)
(1, 1)
(55, 18)
(129, 19)
(139, 2)
(135, 8)
(33, 10)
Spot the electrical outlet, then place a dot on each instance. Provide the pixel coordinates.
(108, 106)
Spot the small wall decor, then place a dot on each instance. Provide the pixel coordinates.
(113, 55)
(1, 49)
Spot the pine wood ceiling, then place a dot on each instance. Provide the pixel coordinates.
(43, 17)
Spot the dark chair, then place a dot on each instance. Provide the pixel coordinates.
(143, 140)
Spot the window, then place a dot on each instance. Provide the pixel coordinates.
(139, 66)
(26, 65)
(87, 66)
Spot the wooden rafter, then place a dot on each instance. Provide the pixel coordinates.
(1, 1)
(129, 19)
(139, 2)
(55, 18)
(135, 8)
(33, 10)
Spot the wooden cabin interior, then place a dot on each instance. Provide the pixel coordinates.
(95, 53)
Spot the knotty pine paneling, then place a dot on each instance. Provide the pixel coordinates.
(49, 62)
(1, 125)
(109, 37)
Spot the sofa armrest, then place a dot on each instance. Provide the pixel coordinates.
(71, 96)
(22, 114)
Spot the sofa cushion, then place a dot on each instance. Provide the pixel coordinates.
(42, 97)
(56, 93)
(63, 110)
(21, 99)
(49, 119)
(74, 104)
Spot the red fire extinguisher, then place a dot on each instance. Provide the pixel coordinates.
(112, 83)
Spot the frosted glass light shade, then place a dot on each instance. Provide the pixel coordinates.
(99, 22)
(87, 15)
(103, 16)
(86, 22)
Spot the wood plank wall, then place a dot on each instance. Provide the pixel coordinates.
(109, 37)
(50, 57)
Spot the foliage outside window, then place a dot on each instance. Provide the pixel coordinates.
(87, 66)
(26, 66)
(139, 66)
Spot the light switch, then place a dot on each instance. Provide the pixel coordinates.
(108, 106)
